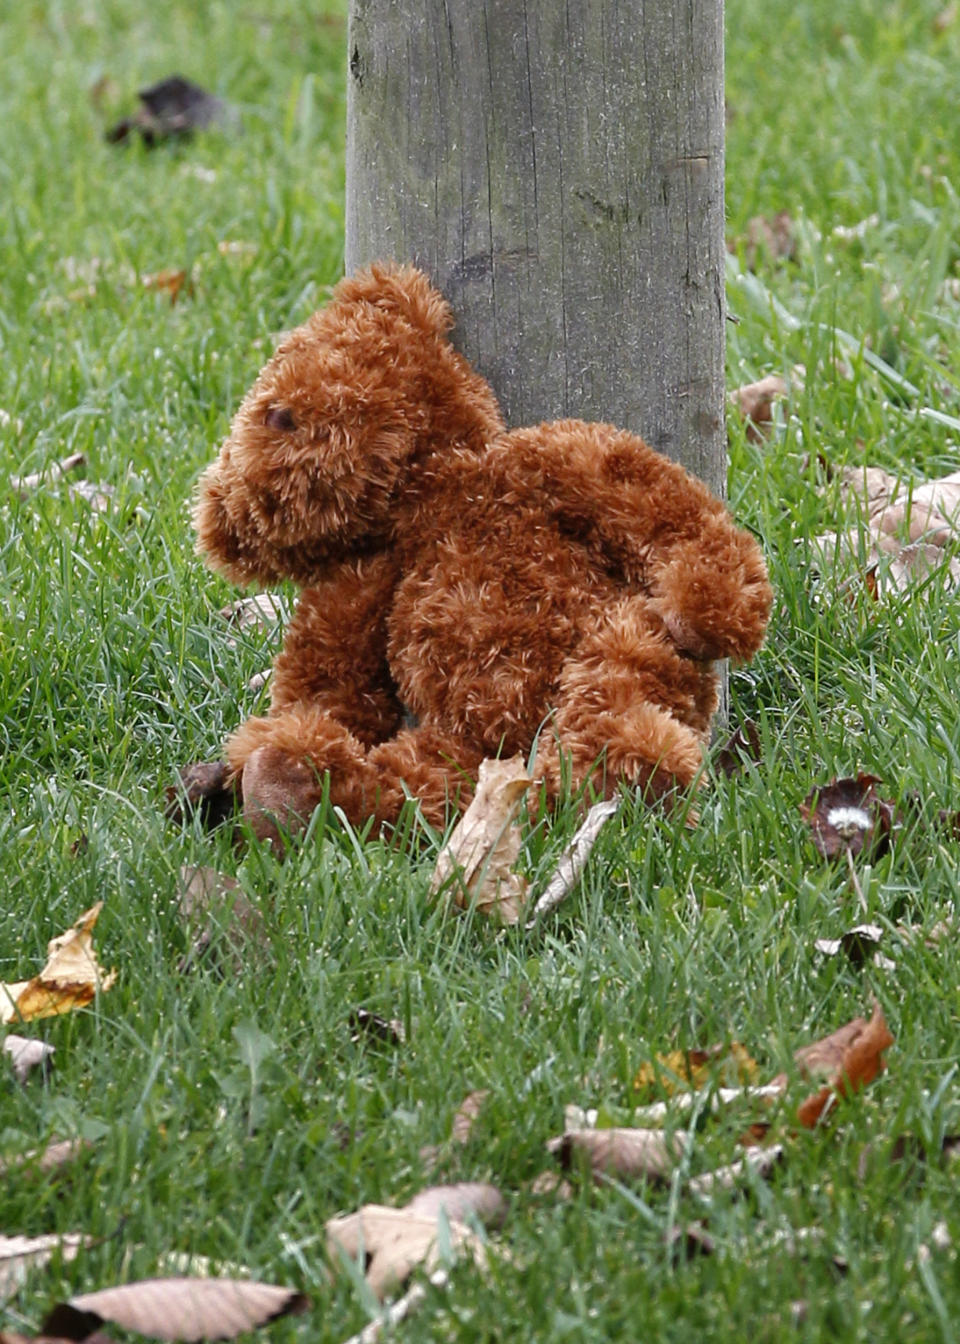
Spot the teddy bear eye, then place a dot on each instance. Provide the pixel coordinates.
(279, 418)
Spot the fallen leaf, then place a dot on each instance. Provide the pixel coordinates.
(626, 1153)
(68, 981)
(466, 1116)
(859, 945)
(172, 107)
(395, 1241)
(259, 679)
(848, 816)
(477, 861)
(771, 236)
(372, 1024)
(216, 902)
(907, 529)
(459, 1201)
(18, 1255)
(42, 1160)
(755, 401)
(742, 746)
(95, 494)
(848, 1058)
(176, 1309)
(172, 281)
(572, 861)
(26, 1054)
(694, 1068)
(756, 1161)
(692, 1239)
(25, 485)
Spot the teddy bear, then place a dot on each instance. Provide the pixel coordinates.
(466, 591)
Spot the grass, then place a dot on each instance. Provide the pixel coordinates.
(234, 1114)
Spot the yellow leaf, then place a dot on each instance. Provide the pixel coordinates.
(685, 1069)
(69, 980)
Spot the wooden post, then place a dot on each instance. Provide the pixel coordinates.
(557, 169)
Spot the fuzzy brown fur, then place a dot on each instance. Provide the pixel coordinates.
(562, 584)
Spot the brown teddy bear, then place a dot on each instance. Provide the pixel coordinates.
(466, 591)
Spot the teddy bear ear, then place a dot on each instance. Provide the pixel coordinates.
(400, 289)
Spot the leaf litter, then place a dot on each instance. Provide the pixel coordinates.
(70, 979)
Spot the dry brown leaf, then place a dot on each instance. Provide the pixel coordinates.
(466, 1115)
(18, 1255)
(41, 1160)
(69, 980)
(573, 859)
(626, 1153)
(170, 281)
(260, 611)
(694, 1068)
(208, 897)
(848, 1058)
(477, 861)
(26, 1054)
(772, 236)
(459, 1201)
(97, 496)
(757, 1160)
(395, 1241)
(908, 529)
(755, 401)
(176, 1309)
(25, 485)
(859, 944)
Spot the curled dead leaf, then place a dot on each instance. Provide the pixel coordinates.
(626, 1153)
(466, 1116)
(742, 746)
(754, 402)
(18, 1255)
(211, 901)
(26, 1054)
(859, 945)
(25, 485)
(476, 863)
(756, 1161)
(572, 861)
(42, 1160)
(69, 980)
(176, 1309)
(848, 1058)
(260, 611)
(461, 1201)
(394, 1242)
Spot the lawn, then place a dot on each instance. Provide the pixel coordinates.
(231, 1112)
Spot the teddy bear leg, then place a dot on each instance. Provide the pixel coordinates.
(281, 761)
(437, 768)
(630, 708)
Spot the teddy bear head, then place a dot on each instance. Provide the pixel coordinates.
(332, 431)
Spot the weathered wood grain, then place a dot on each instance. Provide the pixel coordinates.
(557, 168)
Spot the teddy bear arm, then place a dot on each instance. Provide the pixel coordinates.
(712, 592)
(334, 654)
